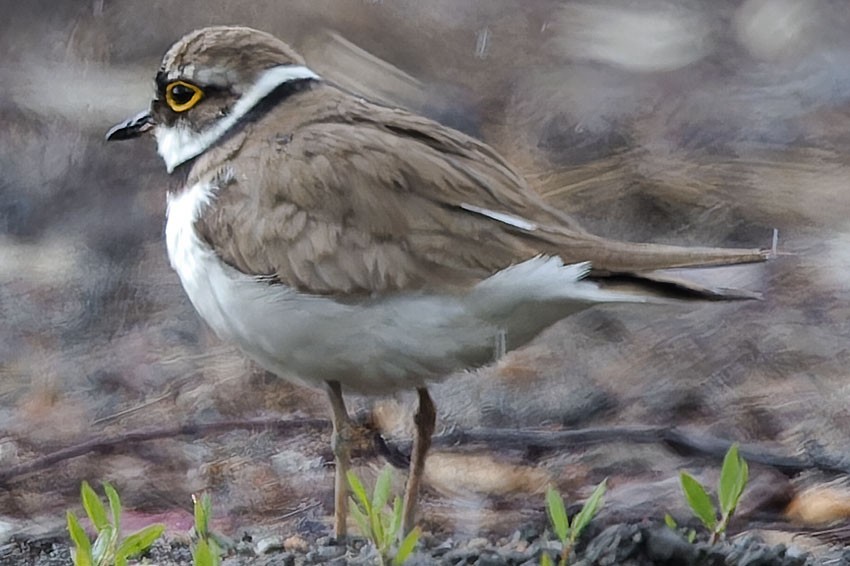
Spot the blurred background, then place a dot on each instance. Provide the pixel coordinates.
(678, 121)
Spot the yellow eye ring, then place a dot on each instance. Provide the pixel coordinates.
(182, 96)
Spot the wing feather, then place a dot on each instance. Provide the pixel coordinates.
(367, 199)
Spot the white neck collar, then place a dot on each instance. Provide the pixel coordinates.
(177, 144)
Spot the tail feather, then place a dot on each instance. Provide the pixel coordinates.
(618, 264)
(611, 257)
(662, 285)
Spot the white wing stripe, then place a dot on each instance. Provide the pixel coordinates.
(504, 217)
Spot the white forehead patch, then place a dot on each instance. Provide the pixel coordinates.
(218, 76)
(177, 144)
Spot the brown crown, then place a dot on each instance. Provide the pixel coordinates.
(229, 56)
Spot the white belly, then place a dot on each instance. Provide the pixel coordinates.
(379, 344)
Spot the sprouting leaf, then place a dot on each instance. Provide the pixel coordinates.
(405, 549)
(382, 488)
(377, 527)
(395, 525)
(140, 540)
(201, 554)
(670, 522)
(359, 491)
(102, 544)
(98, 548)
(93, 506)
(81, 555)
(588, 511)
(215, 550)
(202, 506)
(557, 513)
(692, 536)
(376, 520)
(730, 480)
(360, 518)
(546, 560)
(114, 505)
(392, 523)
(698, 500)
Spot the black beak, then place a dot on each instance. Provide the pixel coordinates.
(131, 128)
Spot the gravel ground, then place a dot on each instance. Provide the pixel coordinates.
(622, 544)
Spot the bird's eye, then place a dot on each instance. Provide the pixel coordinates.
(182, 96)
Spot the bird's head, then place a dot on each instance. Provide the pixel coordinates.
(208, 81)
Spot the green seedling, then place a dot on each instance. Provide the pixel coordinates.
(568, 532)
(730, 488)
(108, 549)
(206, 550)
(379, 522)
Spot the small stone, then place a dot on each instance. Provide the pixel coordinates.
(297, 544)
(515, 556)
(7, 529)
(269, 544)
(478, 542)
(614, 545)
(554, 546)
(367, 555)
(529, 533)
(664, 544)
(245, 548)
(7, 550)
(329, 552)
(521, 545)
(795, 551)
(442, 549)
(491, 559)
(457, 555)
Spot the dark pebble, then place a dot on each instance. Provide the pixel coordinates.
(614, 545)
(459, 556)
(515, 556)
(491, 559)
(328, 552)
(664, 545)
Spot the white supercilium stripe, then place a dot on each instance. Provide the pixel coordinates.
(510, 219)
(179, 144)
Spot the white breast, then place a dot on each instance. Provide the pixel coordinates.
(379, 344)
(195, 262)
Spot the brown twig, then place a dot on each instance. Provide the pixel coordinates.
(686, 443)
(123, 439)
